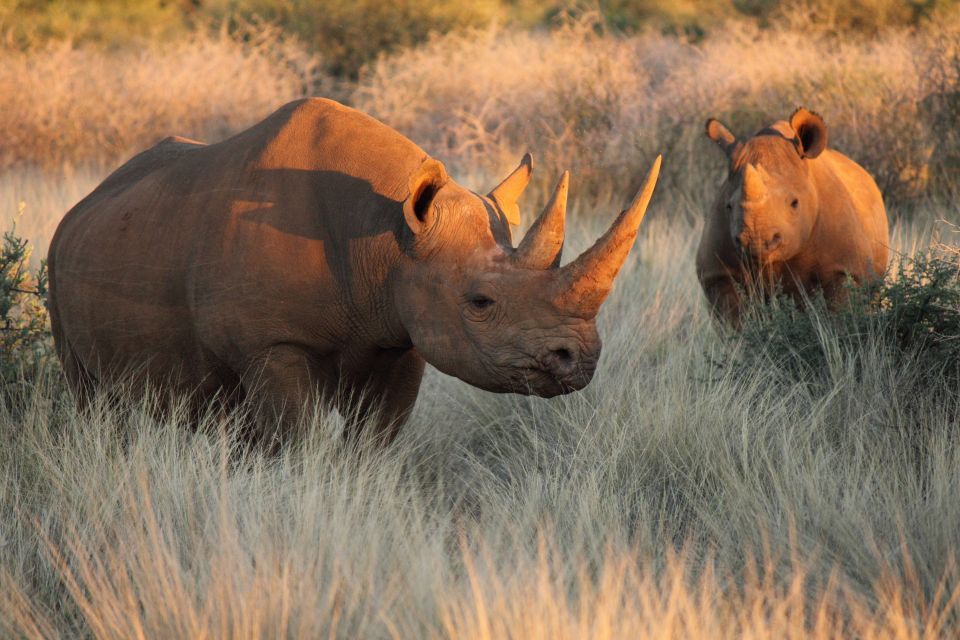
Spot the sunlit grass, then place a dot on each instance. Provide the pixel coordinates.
(671, 498)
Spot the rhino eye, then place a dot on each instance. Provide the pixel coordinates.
(480, 302)
(795, 203)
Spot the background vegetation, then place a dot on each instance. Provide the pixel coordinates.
(580, 95)
(794, 480)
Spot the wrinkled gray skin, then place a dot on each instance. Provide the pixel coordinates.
(321, 254)
(791, 214)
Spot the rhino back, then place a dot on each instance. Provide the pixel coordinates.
(306, 241)
(194, 256)
(852, 223)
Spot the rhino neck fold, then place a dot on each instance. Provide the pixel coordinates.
(376, 317)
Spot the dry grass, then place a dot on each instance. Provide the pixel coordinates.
(68, 105)
(581, 99)
(669, 499)
(602, 105)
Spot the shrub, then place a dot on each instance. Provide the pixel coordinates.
(24, 326)
(601, 105)
(852, 16)
(911, 321)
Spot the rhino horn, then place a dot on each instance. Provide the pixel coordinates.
(585, 283)
(507, 193)
(754, 189)
(543, 244)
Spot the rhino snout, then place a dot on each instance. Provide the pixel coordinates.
(569, 365)
(760, 244)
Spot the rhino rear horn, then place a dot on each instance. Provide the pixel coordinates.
(542, 246)
(507, 193)
(585, 283)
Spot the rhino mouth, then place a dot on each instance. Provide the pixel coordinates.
(538, 381)
(761, 247)
(759, 259)
(529, 377)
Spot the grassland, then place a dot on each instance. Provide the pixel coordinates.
(675, 497)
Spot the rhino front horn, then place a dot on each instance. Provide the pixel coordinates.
(754, 189)
(543, 244)
(585, 283)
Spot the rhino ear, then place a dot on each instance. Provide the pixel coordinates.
(719, 133)
(811, 132)
(424, 184)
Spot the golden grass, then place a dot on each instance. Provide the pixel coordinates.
(670, 499)
(68, 105)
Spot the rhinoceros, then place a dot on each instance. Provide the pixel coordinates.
(791, 215)
(321, 254)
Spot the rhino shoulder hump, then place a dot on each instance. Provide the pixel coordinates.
(305, 111)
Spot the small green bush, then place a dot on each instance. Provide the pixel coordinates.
(24, 326)
(911, 321)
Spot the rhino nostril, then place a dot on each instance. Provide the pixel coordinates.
(774, 241)
(559, 362)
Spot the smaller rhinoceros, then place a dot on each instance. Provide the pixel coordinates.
(322, 254)
(792, 214)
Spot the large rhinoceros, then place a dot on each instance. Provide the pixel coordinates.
(321, 253)
(791, 214)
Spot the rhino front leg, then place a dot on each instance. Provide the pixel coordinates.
(284, 383)
(836, 289)
(383, 400)
(724, 299)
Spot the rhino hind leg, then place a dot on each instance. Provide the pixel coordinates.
(81, 381)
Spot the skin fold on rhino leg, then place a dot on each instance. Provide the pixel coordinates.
(79, 378)
(285, 380)
(384, 400)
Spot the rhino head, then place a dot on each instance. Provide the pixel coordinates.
(769, 199)
(501, 318)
